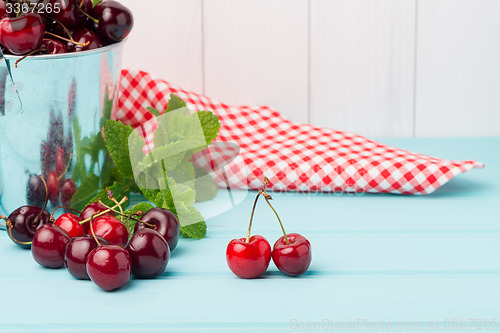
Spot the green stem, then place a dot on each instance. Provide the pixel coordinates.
(281, 224)
(103, 212)
(251, 216)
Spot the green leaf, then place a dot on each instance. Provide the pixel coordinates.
(85, 192)
(196, 230)
(116, 134)
(204, 185)
(175, 102)
(154, 195)
(143, 207)
(153, 111)
(118, 193)
(210, 124)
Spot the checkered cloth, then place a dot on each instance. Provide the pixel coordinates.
(293, 156)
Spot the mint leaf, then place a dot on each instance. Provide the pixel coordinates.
(85, 192)
(143, 207)
(153, 111)
(210, 124)
(175, 102)
(154, 195)
(204, 185)
(196, 231)
(116, 136)
(118, 194)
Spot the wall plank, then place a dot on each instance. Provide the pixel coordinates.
(362, 66)
(167, 41)
(458, 73)
(256, 52)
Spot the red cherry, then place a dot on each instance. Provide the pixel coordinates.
(149, 252)
(49, 245)
(165, 223)
(60, 167)
(52, 46)
(83, 36)
(115, 20)
(77, 252)
(109, 267)
(54, 188)
(22, 34)
(294, 258)
(67, 13)
(248, 260)
(91, 209)
(68, 189)
(70, 223)
(111, 229)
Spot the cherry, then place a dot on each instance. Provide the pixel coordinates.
(46, 157)
(68, 189)
(165, 223)
(54, 187)
(49, 245)
(71, 224)
(91, 209)
(3, 10)
(52, 46)
(22, 34)
(23, 223)
(60, 165)
(248, 259)
(292, 258)
(109, 267)
(149, 253)
(115, 20)
(69, 14)
(77, 252)
(84, 36)
(111, 229)
(35, 190)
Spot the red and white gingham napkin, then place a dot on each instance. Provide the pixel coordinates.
(293, 156)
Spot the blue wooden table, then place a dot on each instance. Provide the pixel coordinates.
(380, 262)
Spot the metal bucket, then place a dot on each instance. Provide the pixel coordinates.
(56, 93)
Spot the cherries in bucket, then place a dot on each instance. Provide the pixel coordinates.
(61, 26)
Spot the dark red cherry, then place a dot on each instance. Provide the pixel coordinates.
(115, 20)
(35, 191)
(3, 10)
(49, 245)
(109, 267)
(68, 190)
(66, 12)
(22, 34)
(77, 252)
(46, 157)
(91, 209)
(54, 188)
(149, 253)
(165, 223)
(60, 166)
(111, 229)
(84, 36)
(23, 223)
(71, 224)
(52, 46)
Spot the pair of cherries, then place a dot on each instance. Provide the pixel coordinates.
(249, 257)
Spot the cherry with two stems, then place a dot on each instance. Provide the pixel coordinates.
(249, 257)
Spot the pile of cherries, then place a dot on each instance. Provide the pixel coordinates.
(249, 257)
(95, 244)
(61, 26)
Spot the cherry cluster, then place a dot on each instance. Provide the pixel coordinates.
(95, 244)
(249, 257)
(61, 26)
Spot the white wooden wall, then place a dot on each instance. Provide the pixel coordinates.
(378, 68)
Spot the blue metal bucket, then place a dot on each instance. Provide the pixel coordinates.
(57, 93)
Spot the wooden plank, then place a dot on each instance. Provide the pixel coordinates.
(362, 66)
(458, 72)
(167, 41)
(256, 52)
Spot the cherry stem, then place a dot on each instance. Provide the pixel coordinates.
(46, 199)
(71, 40)
(251, 215)
(92, 229)
(70, 156)
(96, 21)
(110, 197)
(152, 226)
(9, 229)
(64, 207)
(27, 55)
(103, 212)
(269, 197)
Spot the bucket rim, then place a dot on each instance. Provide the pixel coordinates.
(67, 55)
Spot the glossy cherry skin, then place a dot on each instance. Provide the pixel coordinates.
(111, 229)
(149, 253)
(83, 36)
(70, 223)
(91, 209)
(52, 46)
(165, 223)
(68, 189)
(293, 259)
(109, 267)
(22, 225)
(248, 260)
(115, 20)
(35, 191)
(68, 13)
(22, 34)
(49, 245)
(77, 252)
